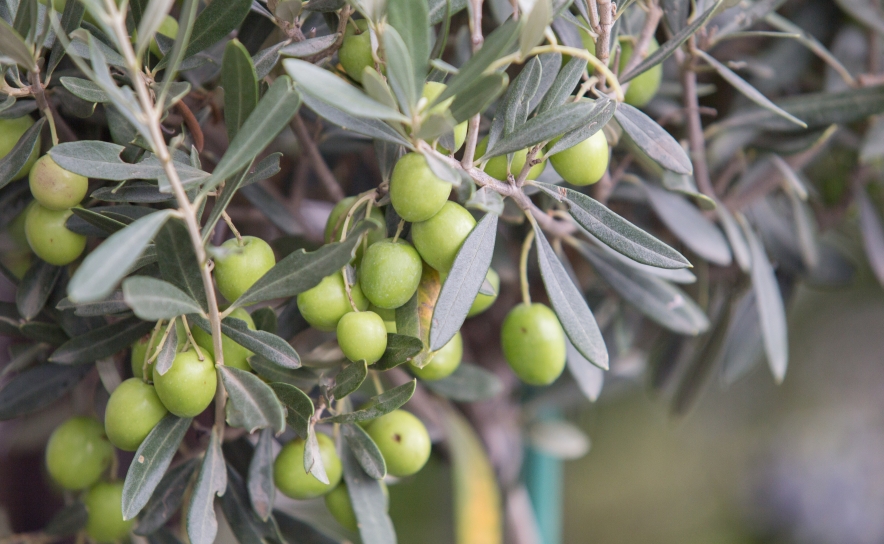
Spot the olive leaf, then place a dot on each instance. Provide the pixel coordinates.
(252, 404)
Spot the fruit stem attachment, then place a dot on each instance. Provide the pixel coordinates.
(196, 348)
(376, 380)
(159, 346)
(523, 264)
(367, 198)
(399, 230)
(347, 289)
(230, 225)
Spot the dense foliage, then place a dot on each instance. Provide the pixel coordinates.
(519, 188)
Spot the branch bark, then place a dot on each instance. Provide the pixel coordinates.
(317, 161)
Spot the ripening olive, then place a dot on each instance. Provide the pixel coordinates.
(132, 412)
(234, 354)
(48, 236)
(104, 503)
(340, 507)
(433, 89)
(11, 131)
(483, 302)
(362, 336)
(140, 349)
(443, 362)
(390, 273)
(54, 187)
(403, 441)
(415, 191)
(585, 163)
(324, 305)
(188, 387)
(335, 222)
(438, 239)
(242, 266)
(355, 52)
(297, 483)
(644, 86)
(496, 166)
(533, 343)
(78, 453)
(388, 315)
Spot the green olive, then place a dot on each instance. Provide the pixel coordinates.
(48, 236)
(11, 131)
(335, 222)
(140, 349)
(78, 453)
(390, 273)
(415, 191)
(54, 187)
(433, 89)
(104, 503)
(403, 441)
(388, 315)
(438, 239)
(133, 410)
(340, 507)
(533, 343)
(496, 167)
(443, 362)
(189, 386)
(643, 87)
(242, 266)
(355, 53)
(295, 482)
(362, 336)
(325, 304)
(483, 302)
(585, 163)
(234, 354)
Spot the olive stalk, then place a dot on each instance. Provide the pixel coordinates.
(153, 117)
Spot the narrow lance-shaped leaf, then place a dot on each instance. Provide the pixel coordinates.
(469, 383)
(669, 47)
(13, 48)
(261, 486)
(252, 404)
(245, 524)
(563, 85)
(152, 299)
(312, 459)
(240, 83)
(697, 232)
(329, 88)
(102, 342)
(748, 90)
(215, 22)
(666, 304)
(168, 351)
(349, 379)
(273, 113)
(37, 388)
(265, 344)
(771, 311)
(109, 262)
(401, 348)
(150, 463)
(400, 72)
(653, 140)
(12, 163)
(166, 498)
(369, 502)
(589, 377)
(616, 232)
(606, 108)
(301, 271)
(384, 403)
(299, 407)
(411, 21)
(177, 261)
(202, 526)
(68, 520)
(35, 288)
(569, 304)
(365, 450)
(463, 282)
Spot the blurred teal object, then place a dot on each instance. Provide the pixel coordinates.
(543, 478)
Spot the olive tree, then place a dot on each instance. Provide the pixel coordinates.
(527, 196)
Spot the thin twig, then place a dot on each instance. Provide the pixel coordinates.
(316, 160)
(696, 139)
